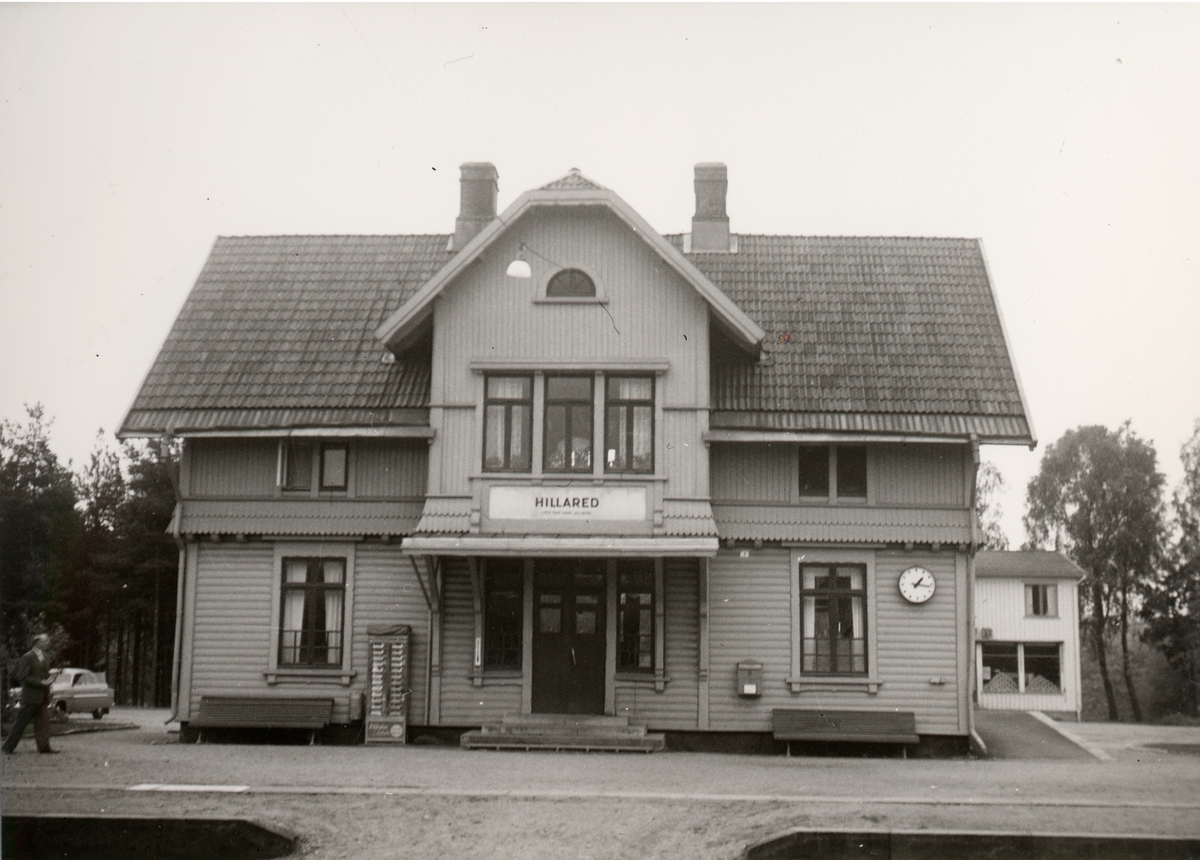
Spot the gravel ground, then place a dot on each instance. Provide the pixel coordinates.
(417, 802)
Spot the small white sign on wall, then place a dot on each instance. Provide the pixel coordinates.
(575, 503)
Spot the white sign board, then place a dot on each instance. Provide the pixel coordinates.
(576, 503)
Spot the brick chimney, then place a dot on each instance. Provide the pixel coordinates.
(477, 206)
(710, 224)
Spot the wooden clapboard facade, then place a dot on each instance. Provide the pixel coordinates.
(595, 486)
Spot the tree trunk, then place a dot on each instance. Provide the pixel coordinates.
(1102, 657)
(1133, 699)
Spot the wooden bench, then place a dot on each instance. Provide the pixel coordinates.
(262, 712)
(881, 727)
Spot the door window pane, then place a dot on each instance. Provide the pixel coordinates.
(504, 588)
(635, 618)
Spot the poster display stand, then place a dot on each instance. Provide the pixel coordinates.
(387, 684)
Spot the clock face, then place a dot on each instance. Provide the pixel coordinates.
(917, 585)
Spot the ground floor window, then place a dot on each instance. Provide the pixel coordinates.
(635, 617)
(834, 617)
(504, 599)
(1021, 667)
(312, 599)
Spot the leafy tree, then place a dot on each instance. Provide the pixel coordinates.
(989, 483)
(1172, 600)
(1098, 496)
(39, 530)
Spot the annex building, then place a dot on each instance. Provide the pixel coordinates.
(562, 464)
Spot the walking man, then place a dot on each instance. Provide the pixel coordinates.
(34, 672)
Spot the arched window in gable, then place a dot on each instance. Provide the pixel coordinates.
(571, 283)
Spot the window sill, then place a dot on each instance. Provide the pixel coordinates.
(827, 683)
(643, 679)
(570, 300)
(308, 676)
(498, 678)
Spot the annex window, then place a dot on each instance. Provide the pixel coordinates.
(834, 613)
(570, 283)
(1041, 599)
(508, 424)
(635, 617)
(568, 428)
(311, 603)
(629, 424)
(1021, 667)
(503, 599)
(297, 465)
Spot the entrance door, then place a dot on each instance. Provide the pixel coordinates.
(569, 597)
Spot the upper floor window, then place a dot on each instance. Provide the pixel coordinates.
(568, 429)
(297, 465)
(1041, 599)
(300, 459)
(310, 629)
(333, 466)
(508, 423)
(840, 468)
(833, 601)
(570, 283)
(629, 424)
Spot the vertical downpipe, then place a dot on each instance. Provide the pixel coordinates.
(971, 589)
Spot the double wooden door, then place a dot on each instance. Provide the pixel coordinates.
(569, 636)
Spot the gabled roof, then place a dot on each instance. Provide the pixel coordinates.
(867, 335)
(1026, 563)
(571, 190)
(277, 332)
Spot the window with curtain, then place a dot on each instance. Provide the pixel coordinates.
(568, 428)
(833, 599)
(629, 424)
(1041, 599)
(635, 617)
(508, 424)
(314, 591)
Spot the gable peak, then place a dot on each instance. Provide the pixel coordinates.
(573, 181)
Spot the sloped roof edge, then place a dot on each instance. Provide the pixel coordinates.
(412, 313)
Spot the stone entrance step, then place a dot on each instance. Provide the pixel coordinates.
(564, 732)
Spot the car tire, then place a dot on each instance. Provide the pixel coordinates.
(60, 711)
(99, 713)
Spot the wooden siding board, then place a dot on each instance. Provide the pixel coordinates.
(750, 619)
(675, 708)
(761, 474)
(231, 468)
(462, 703)
(388, 469)
(919, 475)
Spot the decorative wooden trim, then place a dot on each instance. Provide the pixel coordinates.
(825, 438)
(393, 431)
(571, 365)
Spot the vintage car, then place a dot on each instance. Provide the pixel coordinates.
(74, 691)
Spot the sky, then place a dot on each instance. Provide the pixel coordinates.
(1064, 136)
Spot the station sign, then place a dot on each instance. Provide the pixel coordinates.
(567, 503)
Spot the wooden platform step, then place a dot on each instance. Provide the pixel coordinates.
(564, 732)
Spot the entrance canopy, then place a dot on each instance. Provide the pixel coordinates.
(605, 546)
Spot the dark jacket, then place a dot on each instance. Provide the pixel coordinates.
(34, 673)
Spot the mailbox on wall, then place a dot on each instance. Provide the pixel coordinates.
(387, 685)
(749, 679)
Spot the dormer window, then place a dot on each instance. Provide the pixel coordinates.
(571, 284)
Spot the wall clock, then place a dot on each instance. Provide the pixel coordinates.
(917, 585)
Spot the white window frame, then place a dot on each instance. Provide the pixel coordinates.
(1052, 609)
(798, 681)
(344, 674)
(601, 297)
